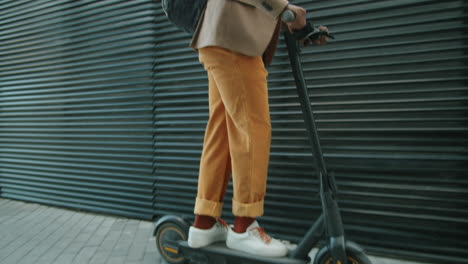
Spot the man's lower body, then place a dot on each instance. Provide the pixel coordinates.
(237, 140)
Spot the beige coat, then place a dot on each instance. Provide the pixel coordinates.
(244, 26)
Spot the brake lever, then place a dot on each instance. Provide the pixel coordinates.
(311, 32)
(308, 32)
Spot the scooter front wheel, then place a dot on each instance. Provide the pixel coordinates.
(167, 235)
(354, 253)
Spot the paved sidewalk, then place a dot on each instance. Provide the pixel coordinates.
(39, 234)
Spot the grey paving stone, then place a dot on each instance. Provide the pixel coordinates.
(85, 255)
(116, 260)
(118, 224)
(45, 245)
(104, 226)
(136, 252)
(105, 249)
(56, 250)
(26, 242)
(19, 224)
(379, 260)
(140, 242)
(99, 257)
(38, 234)
(144, 232)
(95, 240)
(93, 225)
(152, 258)
(108, 222)
(42, 261)
(83, 237)
(64, 259)
(111, 239)
(100, 233)
(151, 247)
(34, 254)
(9, 210)
(73, 247)
(59, 242)
(4, 202)
(125, 240)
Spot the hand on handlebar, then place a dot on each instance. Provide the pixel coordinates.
(321, 41)
(296, 21)
(300, 18)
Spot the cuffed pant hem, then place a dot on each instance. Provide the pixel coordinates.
(209, 208)
(247, 209)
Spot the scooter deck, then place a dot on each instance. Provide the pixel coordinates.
(219, 254)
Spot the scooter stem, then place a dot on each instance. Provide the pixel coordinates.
(293, 51)
(332, 218)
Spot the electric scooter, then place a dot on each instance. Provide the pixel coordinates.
(171, 231)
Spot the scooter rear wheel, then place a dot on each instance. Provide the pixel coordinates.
(167, 235)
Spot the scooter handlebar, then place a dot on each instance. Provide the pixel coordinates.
(288, 16)
(308, 32)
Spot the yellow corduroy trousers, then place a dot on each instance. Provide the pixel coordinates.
(238, 134)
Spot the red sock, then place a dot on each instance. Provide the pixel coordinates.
(204, 221)
(241, 224)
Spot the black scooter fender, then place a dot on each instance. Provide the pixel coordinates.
(184, 224)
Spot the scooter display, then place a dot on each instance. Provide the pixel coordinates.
(171, 231)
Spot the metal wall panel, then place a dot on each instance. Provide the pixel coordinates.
(390, 99)
(76, 84)
(86, 123)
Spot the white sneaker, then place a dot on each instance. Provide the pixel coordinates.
(256, 241)
(198, 238)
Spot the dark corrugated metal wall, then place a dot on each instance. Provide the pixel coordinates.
(390, 98)
(76, 86)
(77, 122)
